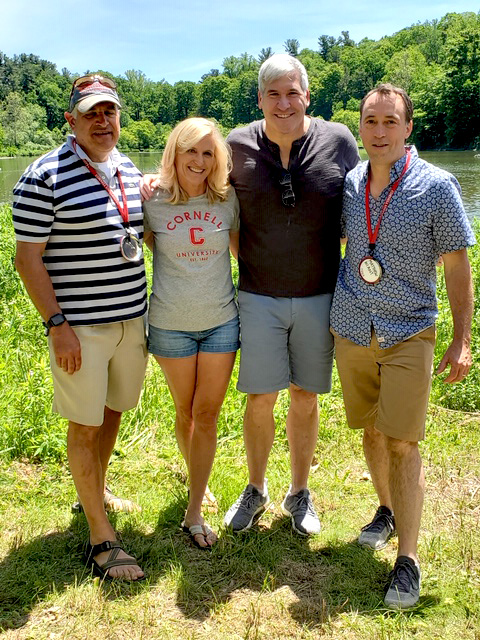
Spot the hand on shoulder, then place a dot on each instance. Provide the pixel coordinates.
(149, 183)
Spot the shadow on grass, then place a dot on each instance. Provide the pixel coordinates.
(315, 583)
(50, 563)
(319, 582)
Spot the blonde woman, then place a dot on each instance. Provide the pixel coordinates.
(193, 319)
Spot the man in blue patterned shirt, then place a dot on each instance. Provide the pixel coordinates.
(400, 216)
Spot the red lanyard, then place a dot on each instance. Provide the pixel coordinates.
(123, 210)
(373, 235)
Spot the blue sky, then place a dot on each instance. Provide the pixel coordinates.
(181, 40)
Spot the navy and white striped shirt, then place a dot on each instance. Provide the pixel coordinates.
(57, 201)
(425, 219)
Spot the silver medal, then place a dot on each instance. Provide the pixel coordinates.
(370, 270)
(130, 247)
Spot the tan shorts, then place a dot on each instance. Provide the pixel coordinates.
(114, 358)
(387, 388)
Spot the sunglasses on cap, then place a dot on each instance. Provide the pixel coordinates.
(85, 81)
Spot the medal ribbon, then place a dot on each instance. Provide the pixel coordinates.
(123, 210)
(373, 234)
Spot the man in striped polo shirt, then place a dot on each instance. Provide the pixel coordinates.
(78, 223)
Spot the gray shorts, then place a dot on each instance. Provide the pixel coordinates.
(285, 340)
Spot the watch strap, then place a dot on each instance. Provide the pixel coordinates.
(54, 321)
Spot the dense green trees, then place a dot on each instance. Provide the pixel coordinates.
(438, 62)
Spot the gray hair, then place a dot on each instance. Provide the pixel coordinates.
(278, 65)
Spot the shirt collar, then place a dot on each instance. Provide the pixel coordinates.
(114, 157)
(397, 168)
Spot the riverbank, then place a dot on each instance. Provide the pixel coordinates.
(41, 151)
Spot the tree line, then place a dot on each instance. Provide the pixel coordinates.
(437, 62)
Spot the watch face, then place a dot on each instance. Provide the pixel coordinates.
(56, 320)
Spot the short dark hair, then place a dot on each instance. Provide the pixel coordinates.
(386, 89)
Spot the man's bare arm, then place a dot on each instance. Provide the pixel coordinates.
(458, 279)
(29, 264)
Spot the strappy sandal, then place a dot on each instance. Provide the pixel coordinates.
(198, 529)
(101, 570)
(112, 503)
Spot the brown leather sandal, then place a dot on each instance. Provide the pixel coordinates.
(101, 570)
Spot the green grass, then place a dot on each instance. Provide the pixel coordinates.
(266, 584)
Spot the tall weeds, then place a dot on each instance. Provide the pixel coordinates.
(29, 429)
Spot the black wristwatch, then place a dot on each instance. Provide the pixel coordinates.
(55, 321)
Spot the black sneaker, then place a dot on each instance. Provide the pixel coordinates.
(378, 532)
(403, 587)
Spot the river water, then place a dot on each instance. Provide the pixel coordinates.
(12, 168)
(463, 164)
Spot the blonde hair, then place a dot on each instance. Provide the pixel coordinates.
(183, 137)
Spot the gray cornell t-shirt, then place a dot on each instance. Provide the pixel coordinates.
(192, 281)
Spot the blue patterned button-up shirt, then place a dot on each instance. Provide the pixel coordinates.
(424, 220)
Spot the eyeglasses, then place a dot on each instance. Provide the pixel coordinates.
(288, 197)
(84, 81)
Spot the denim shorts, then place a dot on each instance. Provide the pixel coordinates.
(169, 343)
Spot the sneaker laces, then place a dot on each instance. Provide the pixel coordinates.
(402, 577)
(303, 503)
(379, 522)
(246, 499)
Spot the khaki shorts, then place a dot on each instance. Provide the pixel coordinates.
(114, 358)
(387, 388)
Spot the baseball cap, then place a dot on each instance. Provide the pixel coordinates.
(89, 90)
